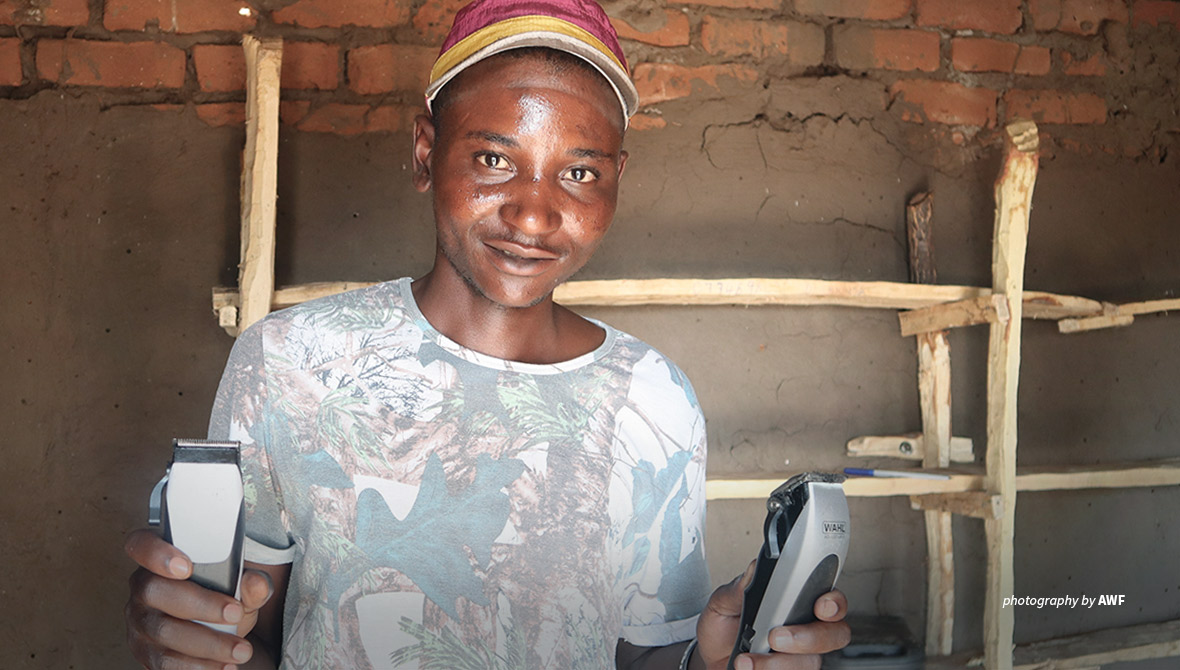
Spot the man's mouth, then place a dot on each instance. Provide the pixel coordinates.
(523, 252)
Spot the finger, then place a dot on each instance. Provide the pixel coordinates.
(150, 551)
(776, 662)
(819, 637)
(831, 606)
(726, 601)
(256, 589)
(173, 643)
(183, 599)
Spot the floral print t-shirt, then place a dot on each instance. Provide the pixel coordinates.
(441, 508)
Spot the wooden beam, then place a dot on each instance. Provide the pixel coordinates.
(740, 292)
(1165, 472)
(1094, 323)
(971, 312)
(1131, 643)
(911, 447)
(264, 59)
(977, 504)
(1013, 194)
(1150, 306)
(934, 399)
(1087, 651)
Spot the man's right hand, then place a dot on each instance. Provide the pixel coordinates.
(163, 604)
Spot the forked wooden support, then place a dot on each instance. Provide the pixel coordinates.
(264, 58)
(1013, 192)
(934, 397)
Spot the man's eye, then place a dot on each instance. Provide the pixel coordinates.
(581, 175)
(490, 160)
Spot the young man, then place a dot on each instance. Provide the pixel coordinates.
(456, 472)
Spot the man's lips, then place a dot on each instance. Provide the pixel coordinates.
(523, 251)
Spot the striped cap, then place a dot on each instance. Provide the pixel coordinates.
(580, 27)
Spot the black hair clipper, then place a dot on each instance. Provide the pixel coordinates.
(200, 505)
(805, 542)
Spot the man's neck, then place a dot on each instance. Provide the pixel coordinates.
(542, 333)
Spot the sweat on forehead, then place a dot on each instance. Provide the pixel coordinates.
(557, 62)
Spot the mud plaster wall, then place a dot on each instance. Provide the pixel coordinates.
(779, 139)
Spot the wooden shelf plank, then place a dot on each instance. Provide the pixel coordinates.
(739, 292)
(1082, 652)
(973, 312)
(1037, 478)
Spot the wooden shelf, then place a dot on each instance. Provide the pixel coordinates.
(1040, 478)
(1089, 650)
(740, 292)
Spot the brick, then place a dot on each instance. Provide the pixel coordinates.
(1046, 14)
(310, 65)
(10, 68)
(389, 67)
(1081, 17)
(734, 4)
(673, 33)
(803, 43)
(44, 13)
(1034, 60)
(870, 10)
(1094, 66)
(433, 19)
(993, 16)
(981, 54)
(223, 114)
(391, 119)
(336, 14)
(659, 82)
(179, 16)
(922, 100)
(113, 64)
(861, 48)
(1155, 12)
(220, 67)
(291, 112)
(1085, 17)
(1050, 106)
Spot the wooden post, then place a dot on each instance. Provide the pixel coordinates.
(264, 59)
(1014, 189)
(934, 396)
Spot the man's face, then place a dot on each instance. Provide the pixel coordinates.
(525, 173)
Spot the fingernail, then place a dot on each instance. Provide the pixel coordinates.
(743, 663)
(178, 567)
(783, 639)
(242, 652)
(828, 608)
(232, 613)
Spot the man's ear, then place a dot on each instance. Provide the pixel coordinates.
(622, 162)
(422, 150)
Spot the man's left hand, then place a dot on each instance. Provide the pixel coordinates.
(795, 647)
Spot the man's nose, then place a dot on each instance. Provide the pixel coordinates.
(533, 207)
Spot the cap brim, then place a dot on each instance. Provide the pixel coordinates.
(619, 81)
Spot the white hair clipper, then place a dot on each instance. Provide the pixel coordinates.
(199, 504)
(805, 542)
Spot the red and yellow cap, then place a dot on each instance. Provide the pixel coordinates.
(580, 27)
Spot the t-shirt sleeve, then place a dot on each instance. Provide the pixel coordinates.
(661, 473)
(240, 413)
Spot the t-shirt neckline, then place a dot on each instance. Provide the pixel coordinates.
(488, 361)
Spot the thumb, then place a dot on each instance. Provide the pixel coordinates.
(256, 589)
(727, 600)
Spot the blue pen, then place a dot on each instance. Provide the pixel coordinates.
(909, 474)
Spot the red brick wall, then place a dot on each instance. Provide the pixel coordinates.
(955, 67)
